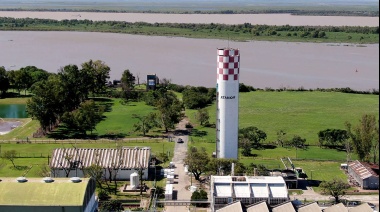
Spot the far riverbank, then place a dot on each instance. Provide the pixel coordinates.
(261, 19)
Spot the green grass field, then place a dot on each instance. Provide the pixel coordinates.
(301, 113)
(297, 113)
(120, 121)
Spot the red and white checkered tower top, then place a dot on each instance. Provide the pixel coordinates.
(228, 65)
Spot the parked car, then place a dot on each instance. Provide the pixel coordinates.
(371, 205)
(179, 140)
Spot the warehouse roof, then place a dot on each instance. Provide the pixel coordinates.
(336, 208)
(362, 170)
(288, 207)
(361, 208)
(233, 207)
(285, 207)
(313, 207)
(36, 192)
(259, 207)
(245, 187)
(124, 158)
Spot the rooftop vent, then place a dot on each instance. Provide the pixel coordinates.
(75, 180)
(21, 179)
(48, 179)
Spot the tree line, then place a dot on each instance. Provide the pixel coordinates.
(7, 23)
(369, 13)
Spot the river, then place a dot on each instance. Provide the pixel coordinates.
(193, 61)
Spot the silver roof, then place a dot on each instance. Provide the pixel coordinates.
(124, 158)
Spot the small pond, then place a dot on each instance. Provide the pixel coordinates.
(13, 111)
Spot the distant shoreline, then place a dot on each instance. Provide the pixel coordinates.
(367, 8)
(230, 19)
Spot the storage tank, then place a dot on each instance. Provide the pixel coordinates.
(134, 178)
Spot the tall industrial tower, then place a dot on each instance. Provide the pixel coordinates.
(227, 97)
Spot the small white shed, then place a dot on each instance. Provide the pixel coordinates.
(169, 192)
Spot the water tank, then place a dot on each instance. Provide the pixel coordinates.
(134, 178)
(21, 179)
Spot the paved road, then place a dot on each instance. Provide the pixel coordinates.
(182, 181)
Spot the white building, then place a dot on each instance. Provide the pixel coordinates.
(119, 162)
(227, 97)
(248, 190)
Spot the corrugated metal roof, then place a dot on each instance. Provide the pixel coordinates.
(361, 170)
(313, 207)
(361, 208)
(260, 207)
(124, 158)
(287, 207)
(336, 208)
(233, 207)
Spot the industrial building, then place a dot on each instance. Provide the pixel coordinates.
(227, 101)
(47, 195)
(247, 189)
(363, 174)
(152, 82)
(119, 162)
(288, 206)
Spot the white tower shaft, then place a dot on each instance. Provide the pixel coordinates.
(228, 65)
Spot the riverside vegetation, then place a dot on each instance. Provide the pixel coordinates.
(239, 32)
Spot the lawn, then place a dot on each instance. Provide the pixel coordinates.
(297, 113)
(31, 150)
(119, 120)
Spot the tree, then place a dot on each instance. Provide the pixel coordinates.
(112, 205)
(199, 196)
(85, 118)
(127, 84)
(332, 137)
(46, 103)
(203, 116)
(72, 80)
(34, 75)
(253, 134)
(169, 110)
(297, 142)
(127, 81)
(335, 188)
(221, 166)
(4, 81)
(364, 136)
(23, 80)
(95, 75)
(145, 123)
(197, 161)
(95, 171)
(281, 138)
(10, 155)
(246, 145)
(193, 98)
